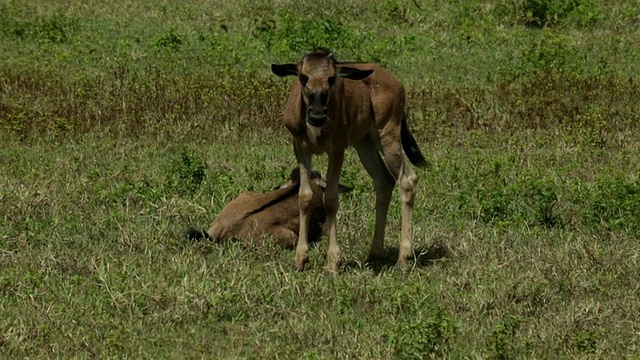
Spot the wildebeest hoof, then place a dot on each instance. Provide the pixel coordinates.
(375, 256)
(330, 271)
(333, 259)
(402, 262)
(300, 262)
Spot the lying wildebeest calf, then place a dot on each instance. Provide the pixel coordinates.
(274, 214)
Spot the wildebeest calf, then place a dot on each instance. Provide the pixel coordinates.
(275, 214)
(333, 105)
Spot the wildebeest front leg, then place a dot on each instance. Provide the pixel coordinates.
(331, 205)
(305, 194)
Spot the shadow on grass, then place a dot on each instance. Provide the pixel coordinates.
(424, 256)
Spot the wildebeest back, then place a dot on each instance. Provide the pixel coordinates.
(252, 216)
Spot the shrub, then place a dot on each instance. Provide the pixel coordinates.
(503, 343)
(290, 33)
(422, 337)
(585, 342)
(55, 28)
(185, 173)
(614, 203)
(542, 198)
(169, 41)
(544, 13)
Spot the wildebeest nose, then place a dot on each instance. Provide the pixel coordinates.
(317, 118)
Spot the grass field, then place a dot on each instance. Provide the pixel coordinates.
(124, 122)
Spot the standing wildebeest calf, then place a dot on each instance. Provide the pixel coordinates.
(333, 105)
(275, 214)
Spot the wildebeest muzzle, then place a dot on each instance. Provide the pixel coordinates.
(317, 112)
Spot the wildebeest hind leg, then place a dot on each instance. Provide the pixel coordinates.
(286, 237)
(407, 182)
(384, 182)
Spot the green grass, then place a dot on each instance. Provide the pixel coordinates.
(122, 123)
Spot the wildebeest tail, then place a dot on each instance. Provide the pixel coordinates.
(410, 146)
(194, 234)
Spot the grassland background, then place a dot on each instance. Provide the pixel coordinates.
(123, 122)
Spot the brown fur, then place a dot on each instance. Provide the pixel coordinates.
(335, 105)
(251, 216)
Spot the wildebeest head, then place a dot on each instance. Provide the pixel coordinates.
(318, 73)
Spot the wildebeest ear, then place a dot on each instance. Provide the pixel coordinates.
(353, 73)
(284, 69)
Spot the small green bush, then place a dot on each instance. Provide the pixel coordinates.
(503, 342)
(548, 13)
(542, 13)
(585, 342)
(423, 337)
(289, 33)
(547, 53)
(185, 173)
(169, 41)
(56, 28)
(542, 197)
(614, 203)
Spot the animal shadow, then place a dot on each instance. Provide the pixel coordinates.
(424, 256)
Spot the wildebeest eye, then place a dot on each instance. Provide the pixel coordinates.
(332, 80)
(303, 79)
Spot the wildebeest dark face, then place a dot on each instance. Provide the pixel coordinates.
(318, 74)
